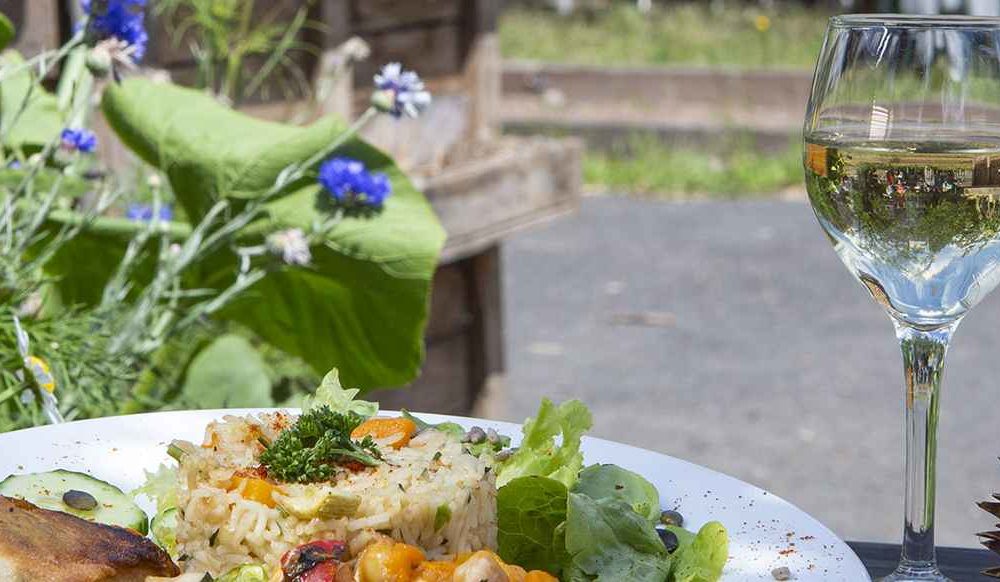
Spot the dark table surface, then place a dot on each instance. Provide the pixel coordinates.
(959, 564)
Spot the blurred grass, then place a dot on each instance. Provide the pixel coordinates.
(738, 169)
(680, 34)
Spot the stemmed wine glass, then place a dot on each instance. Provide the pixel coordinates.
(902, 163)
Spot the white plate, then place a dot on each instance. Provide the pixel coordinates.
(765, 531)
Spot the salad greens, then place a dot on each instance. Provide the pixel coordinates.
(608, 541)
(592, 524)
(339, 399)
(530, 514)
(539, 454)
(600, 481)
(701, 558)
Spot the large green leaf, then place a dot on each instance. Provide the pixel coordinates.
(362, 304)
(29, 115)
(6, 31)
(228, 373)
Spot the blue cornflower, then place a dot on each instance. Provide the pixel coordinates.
(79, 140)
(352, 186)
(122, 20)
(399, 92)
(144, 213)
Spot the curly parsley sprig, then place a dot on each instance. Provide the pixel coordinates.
(315, 447)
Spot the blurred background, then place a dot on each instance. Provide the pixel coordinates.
(621, 185)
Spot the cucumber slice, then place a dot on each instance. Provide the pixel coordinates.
(46, 490)
(164, 529)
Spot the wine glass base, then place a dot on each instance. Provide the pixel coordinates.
(910, 574)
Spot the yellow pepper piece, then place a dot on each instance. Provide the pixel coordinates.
(254, 489)
(383, 428)
(435, 572)
(539, 576)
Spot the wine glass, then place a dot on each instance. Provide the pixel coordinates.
(902, 163)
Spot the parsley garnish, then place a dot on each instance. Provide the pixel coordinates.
(316, 444)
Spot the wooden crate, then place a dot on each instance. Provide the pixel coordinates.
(40, 24)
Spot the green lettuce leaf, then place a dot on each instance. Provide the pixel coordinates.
(611, 481)
(160, 487)
(530, 513)
(701, 558)
(339, 399)
(539, 454)
(609, 542)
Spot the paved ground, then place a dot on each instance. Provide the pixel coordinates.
(729, 334)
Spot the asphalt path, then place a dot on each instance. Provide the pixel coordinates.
(729, 334)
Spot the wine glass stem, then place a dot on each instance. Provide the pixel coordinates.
(923, 363)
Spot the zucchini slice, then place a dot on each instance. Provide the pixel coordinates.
(47, 490)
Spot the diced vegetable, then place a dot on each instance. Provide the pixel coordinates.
(442, 516)
(601, 481)
(435, 572)
(307, 557)
(245, 573)
(164, 529)
(388, 561)
(254, 489)
(400, 430)
(47, 490)
(452, 429)
(319, 502)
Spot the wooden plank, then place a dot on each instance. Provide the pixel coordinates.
(381, 15)
(483, 70)
(527, 182)
(452, 309)
(430, 51)
(487, 288)
(36, 22)
(443, 386)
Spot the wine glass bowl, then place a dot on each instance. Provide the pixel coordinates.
(902, 164)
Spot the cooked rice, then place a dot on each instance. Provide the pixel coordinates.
(399, 497)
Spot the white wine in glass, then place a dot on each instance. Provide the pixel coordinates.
(902, 162)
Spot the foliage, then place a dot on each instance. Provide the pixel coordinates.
(690, 33)
(239, 47)
(733, 169)
(363, 305)
(137, 313)
(6, 31)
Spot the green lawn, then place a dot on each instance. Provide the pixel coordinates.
(682, 34)
(734, 170)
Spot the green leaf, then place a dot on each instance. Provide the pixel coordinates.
(452, 429)
(7, 31)
(703, 558)
(228, 373)
(538, 453)
(29, 115)
(362, 305)
(330, 393)
(609, 542)
(530, 511)
(161, 487)
(611, 481)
